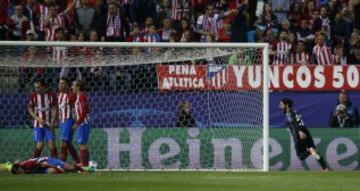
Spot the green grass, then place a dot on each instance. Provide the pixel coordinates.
(199, 181)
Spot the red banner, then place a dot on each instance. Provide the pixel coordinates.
(244, 77)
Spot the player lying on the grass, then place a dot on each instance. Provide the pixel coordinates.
(44, 165)
(303, 141)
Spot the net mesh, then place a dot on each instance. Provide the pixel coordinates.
(150, 108)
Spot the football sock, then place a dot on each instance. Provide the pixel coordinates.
(84, 157)
(73, 152)
(36, 153)
(53, 153)
(63, 154)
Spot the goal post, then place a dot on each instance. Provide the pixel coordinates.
(137, 92)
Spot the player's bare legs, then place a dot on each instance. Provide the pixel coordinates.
(320, 160)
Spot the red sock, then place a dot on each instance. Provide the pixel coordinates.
(36, 153)
(84, 157)
(63, 155)
(73, 152)
(53, 153)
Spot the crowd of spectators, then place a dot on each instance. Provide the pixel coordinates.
(300, 31)
(325, 32)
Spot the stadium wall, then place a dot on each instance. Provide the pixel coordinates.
(156, 109)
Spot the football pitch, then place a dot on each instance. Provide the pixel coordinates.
(206, 181)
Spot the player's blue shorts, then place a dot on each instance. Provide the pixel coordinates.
(66, 130)
(82, 133)
(43, 133)
(56, 162)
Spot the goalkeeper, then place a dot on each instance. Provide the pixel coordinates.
(43, 165)
(303, 141)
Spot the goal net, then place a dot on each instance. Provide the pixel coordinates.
(152, 105)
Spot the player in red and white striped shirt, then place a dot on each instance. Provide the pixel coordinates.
(321, 52)
(81, 125)
(282, 50)
(42, 108)
(300, 56)
(66, 103)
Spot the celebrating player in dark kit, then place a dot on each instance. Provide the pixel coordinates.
(303, 141)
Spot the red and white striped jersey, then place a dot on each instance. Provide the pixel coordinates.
(282, 56)
(81, 109)
(59, 54)
(66, 102)
(323, 55)
(178, 8)
(300, 58)
(208, 24)
(34, 163)
(52, 26)
(41, 11)
(41, 104)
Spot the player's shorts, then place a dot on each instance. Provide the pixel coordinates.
(43, 133)
(82, 133)
(66, 130)
(56, 162)
(302, 147)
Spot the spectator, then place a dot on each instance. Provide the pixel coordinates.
(268, 18)
(323, 23)
(187, 36)
(321, 53)
(20, 24)
(40, 14)
(166, 30)
(85, 17)
(206, 23)
(54, 21)
(224, 35)
(184, 26)
(300, 56)
(3, 19)
(282, 49)
(341, 119)
(280, 8)
(28, 12)
(184, 118)
(164, 10)
(354, 58)
(180, 9)
(339, 57)
(351, 110)
(113, 26)
(148, 22)
(354, 6)
(243, 21)
(351, 43)
(295, 14)
(341, 29)
(308, 11)
(135, 35)
(305, 35)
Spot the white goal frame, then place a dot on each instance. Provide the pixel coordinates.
(265, 68)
